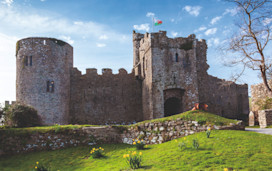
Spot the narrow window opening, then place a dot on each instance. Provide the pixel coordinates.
(26, 61)
(176, 57)
(30, 61)
(47, 86)
(50, 86)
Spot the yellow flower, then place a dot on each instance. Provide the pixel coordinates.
(124, 156)
(209, 129)
(134, 153)
(176, 140)
(36, 167)
(226, 169)
(142, 140)
(132, 139)
(100, 148)
(184, 138)
(37, 162)
(138, 142)
(134, 143)
(140, 153)
(127, 155)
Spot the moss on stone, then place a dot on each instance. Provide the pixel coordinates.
(17, 48)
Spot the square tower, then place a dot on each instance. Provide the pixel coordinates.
(169, 73)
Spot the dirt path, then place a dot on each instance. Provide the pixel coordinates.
(259, 130)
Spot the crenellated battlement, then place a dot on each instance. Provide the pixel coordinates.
(169, 76)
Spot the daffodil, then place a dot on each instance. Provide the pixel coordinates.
(134, 143)
(209, 129)
(140, 153)
(37, 162)
(184, 138)
(36, 167)
(176, 140)
(226, 169)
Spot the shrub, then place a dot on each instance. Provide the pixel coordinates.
(133, 159)
(140, 144)
(40, 167)
(97, 152)
(19, 115)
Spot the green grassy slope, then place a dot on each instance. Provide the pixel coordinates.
(239, 150)
(197, 115)
(201, 116)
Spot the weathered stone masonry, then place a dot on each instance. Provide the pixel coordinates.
(168, 77)
(152, 133)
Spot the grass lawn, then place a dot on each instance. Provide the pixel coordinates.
(239, 150)
(197, 115)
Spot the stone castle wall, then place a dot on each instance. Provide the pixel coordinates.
(105, 99)
(176, 69)
(224, 98)
(258, 95)
(169, 76)
(43, 77)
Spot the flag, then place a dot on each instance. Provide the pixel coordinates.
(158, 22)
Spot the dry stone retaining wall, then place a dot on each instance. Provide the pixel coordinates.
(265, 118)
(152, 133)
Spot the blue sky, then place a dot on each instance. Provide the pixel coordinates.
(101, 30)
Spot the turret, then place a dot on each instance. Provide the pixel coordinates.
(43, 67)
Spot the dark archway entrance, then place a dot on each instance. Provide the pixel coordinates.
(172, 106)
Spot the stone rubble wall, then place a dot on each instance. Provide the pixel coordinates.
(157, 133)
(265, 118)
(53, 140)
(152, 133)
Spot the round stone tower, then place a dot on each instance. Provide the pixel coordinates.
(43, 67)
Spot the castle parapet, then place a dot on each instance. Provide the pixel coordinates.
(106, 71)
(91, 71)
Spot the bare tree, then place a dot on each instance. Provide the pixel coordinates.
(251, 42)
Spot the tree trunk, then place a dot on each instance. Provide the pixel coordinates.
(263, 74)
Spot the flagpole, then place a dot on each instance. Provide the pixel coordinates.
(152, 24)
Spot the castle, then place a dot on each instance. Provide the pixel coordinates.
(168, 77)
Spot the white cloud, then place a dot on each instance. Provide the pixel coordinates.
(210, 31)
(193, 10)
(150, 14)
(7, 2)
(142, 27)
(215, 19)
(43, 0)
(232, 11)
(202, 28)
(174, 34)
(172, 20)
(213, 42)
(37, 24)
(100, 45)
(103, 37)
(267, 21)
(67, 39)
